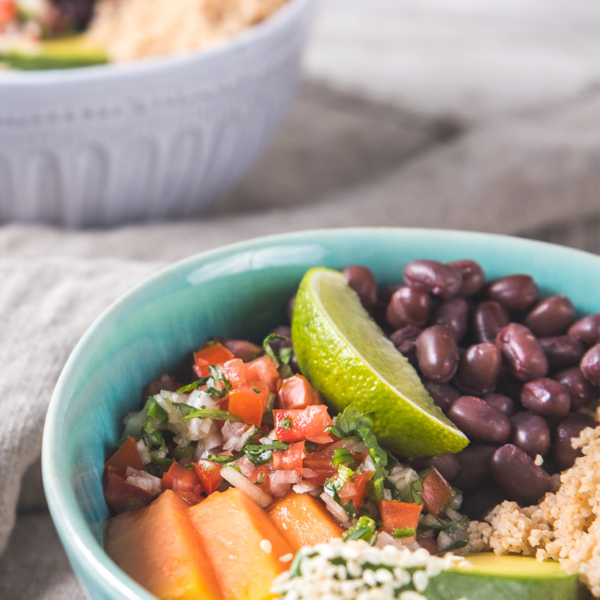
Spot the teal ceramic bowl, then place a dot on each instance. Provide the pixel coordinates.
(236, 291)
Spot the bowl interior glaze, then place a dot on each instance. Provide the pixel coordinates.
(236, 291)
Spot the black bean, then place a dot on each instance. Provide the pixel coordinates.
(473, 277)
(479, 420)
(440, 280)
(437, 353)
(487, 320)
(285, 332)
(474, 467)
(550, 317)
(443, 394)
(405, 340)
(447, 465)
(562, 351)
(455, 314)
(242, 349)
(522, 354)
(581, 391)
(478, 504)
(590, 365)
(408, 306)
(547, 398)
(294, 364)
(363, 282)
(530, 433)
(518, 476)
(507, 386)
(587, 329)
(290, 307)
(503, 403)
(478, 369)
(571, 427)
(514, 292)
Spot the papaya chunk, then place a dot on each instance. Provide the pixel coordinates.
(158, 547)
(303, 520)
(242, 544)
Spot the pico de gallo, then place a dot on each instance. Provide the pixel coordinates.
(251, 421)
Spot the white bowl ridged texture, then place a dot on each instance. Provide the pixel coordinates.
(150, 140)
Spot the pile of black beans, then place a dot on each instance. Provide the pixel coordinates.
(510, 370)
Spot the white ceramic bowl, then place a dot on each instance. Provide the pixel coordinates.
(153, 139)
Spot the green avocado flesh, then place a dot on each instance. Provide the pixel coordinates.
(68, 53)
(506, 578)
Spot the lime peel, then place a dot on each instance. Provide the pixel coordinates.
(346, 356)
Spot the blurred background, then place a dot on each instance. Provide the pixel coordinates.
(450, 114)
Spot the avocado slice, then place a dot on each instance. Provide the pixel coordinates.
(65, 53)
(508, 577)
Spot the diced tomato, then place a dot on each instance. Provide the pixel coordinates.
(248, 402)
(297, 392)
(263, 369)
(209, 474)
(355, 489)
(429, 544)
(290, 459)
(8, 11)
(211, 356)
(309, 423)
(126, 456)
(123, 496)
(235, 371)
(437, 492)
(399, 515)
(184, 482)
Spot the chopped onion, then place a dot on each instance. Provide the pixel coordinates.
(143, 480)
(368, 464)
(309, 473)
(304, 487)
(143, 452)
(352, 445)
(454, 516)
(235, 435)
(444, 540)
(334, 508)
(385, 539)
(285, 477)
(134, 422)
(210, 442)
(279, 490)
(236, 479)
(387, 495)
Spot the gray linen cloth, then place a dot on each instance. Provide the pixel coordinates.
(533, 174)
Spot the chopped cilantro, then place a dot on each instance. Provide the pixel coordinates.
(221, 459)
(122, 441)
(365, 529)
(457, 545)
(165, 463)
(260, 454)
(405, 532)
(151, 435)
(341, 456)
(282, 359)
(286, 423)
(416, 487)
(155, 410)
(206, 413)
(183, 452)
(193, 386)
(256, 390)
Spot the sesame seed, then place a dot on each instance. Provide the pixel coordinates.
(286, 558)
(266, 546)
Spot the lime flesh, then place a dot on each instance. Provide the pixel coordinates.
(346, 356)
(509, 577)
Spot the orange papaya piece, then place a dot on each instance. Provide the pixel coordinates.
(303, 520)
(244, 546)
(158, 547)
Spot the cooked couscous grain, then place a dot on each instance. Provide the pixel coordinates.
(564, 527)
(133, 29)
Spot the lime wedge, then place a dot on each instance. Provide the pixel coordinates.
(346, 356)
